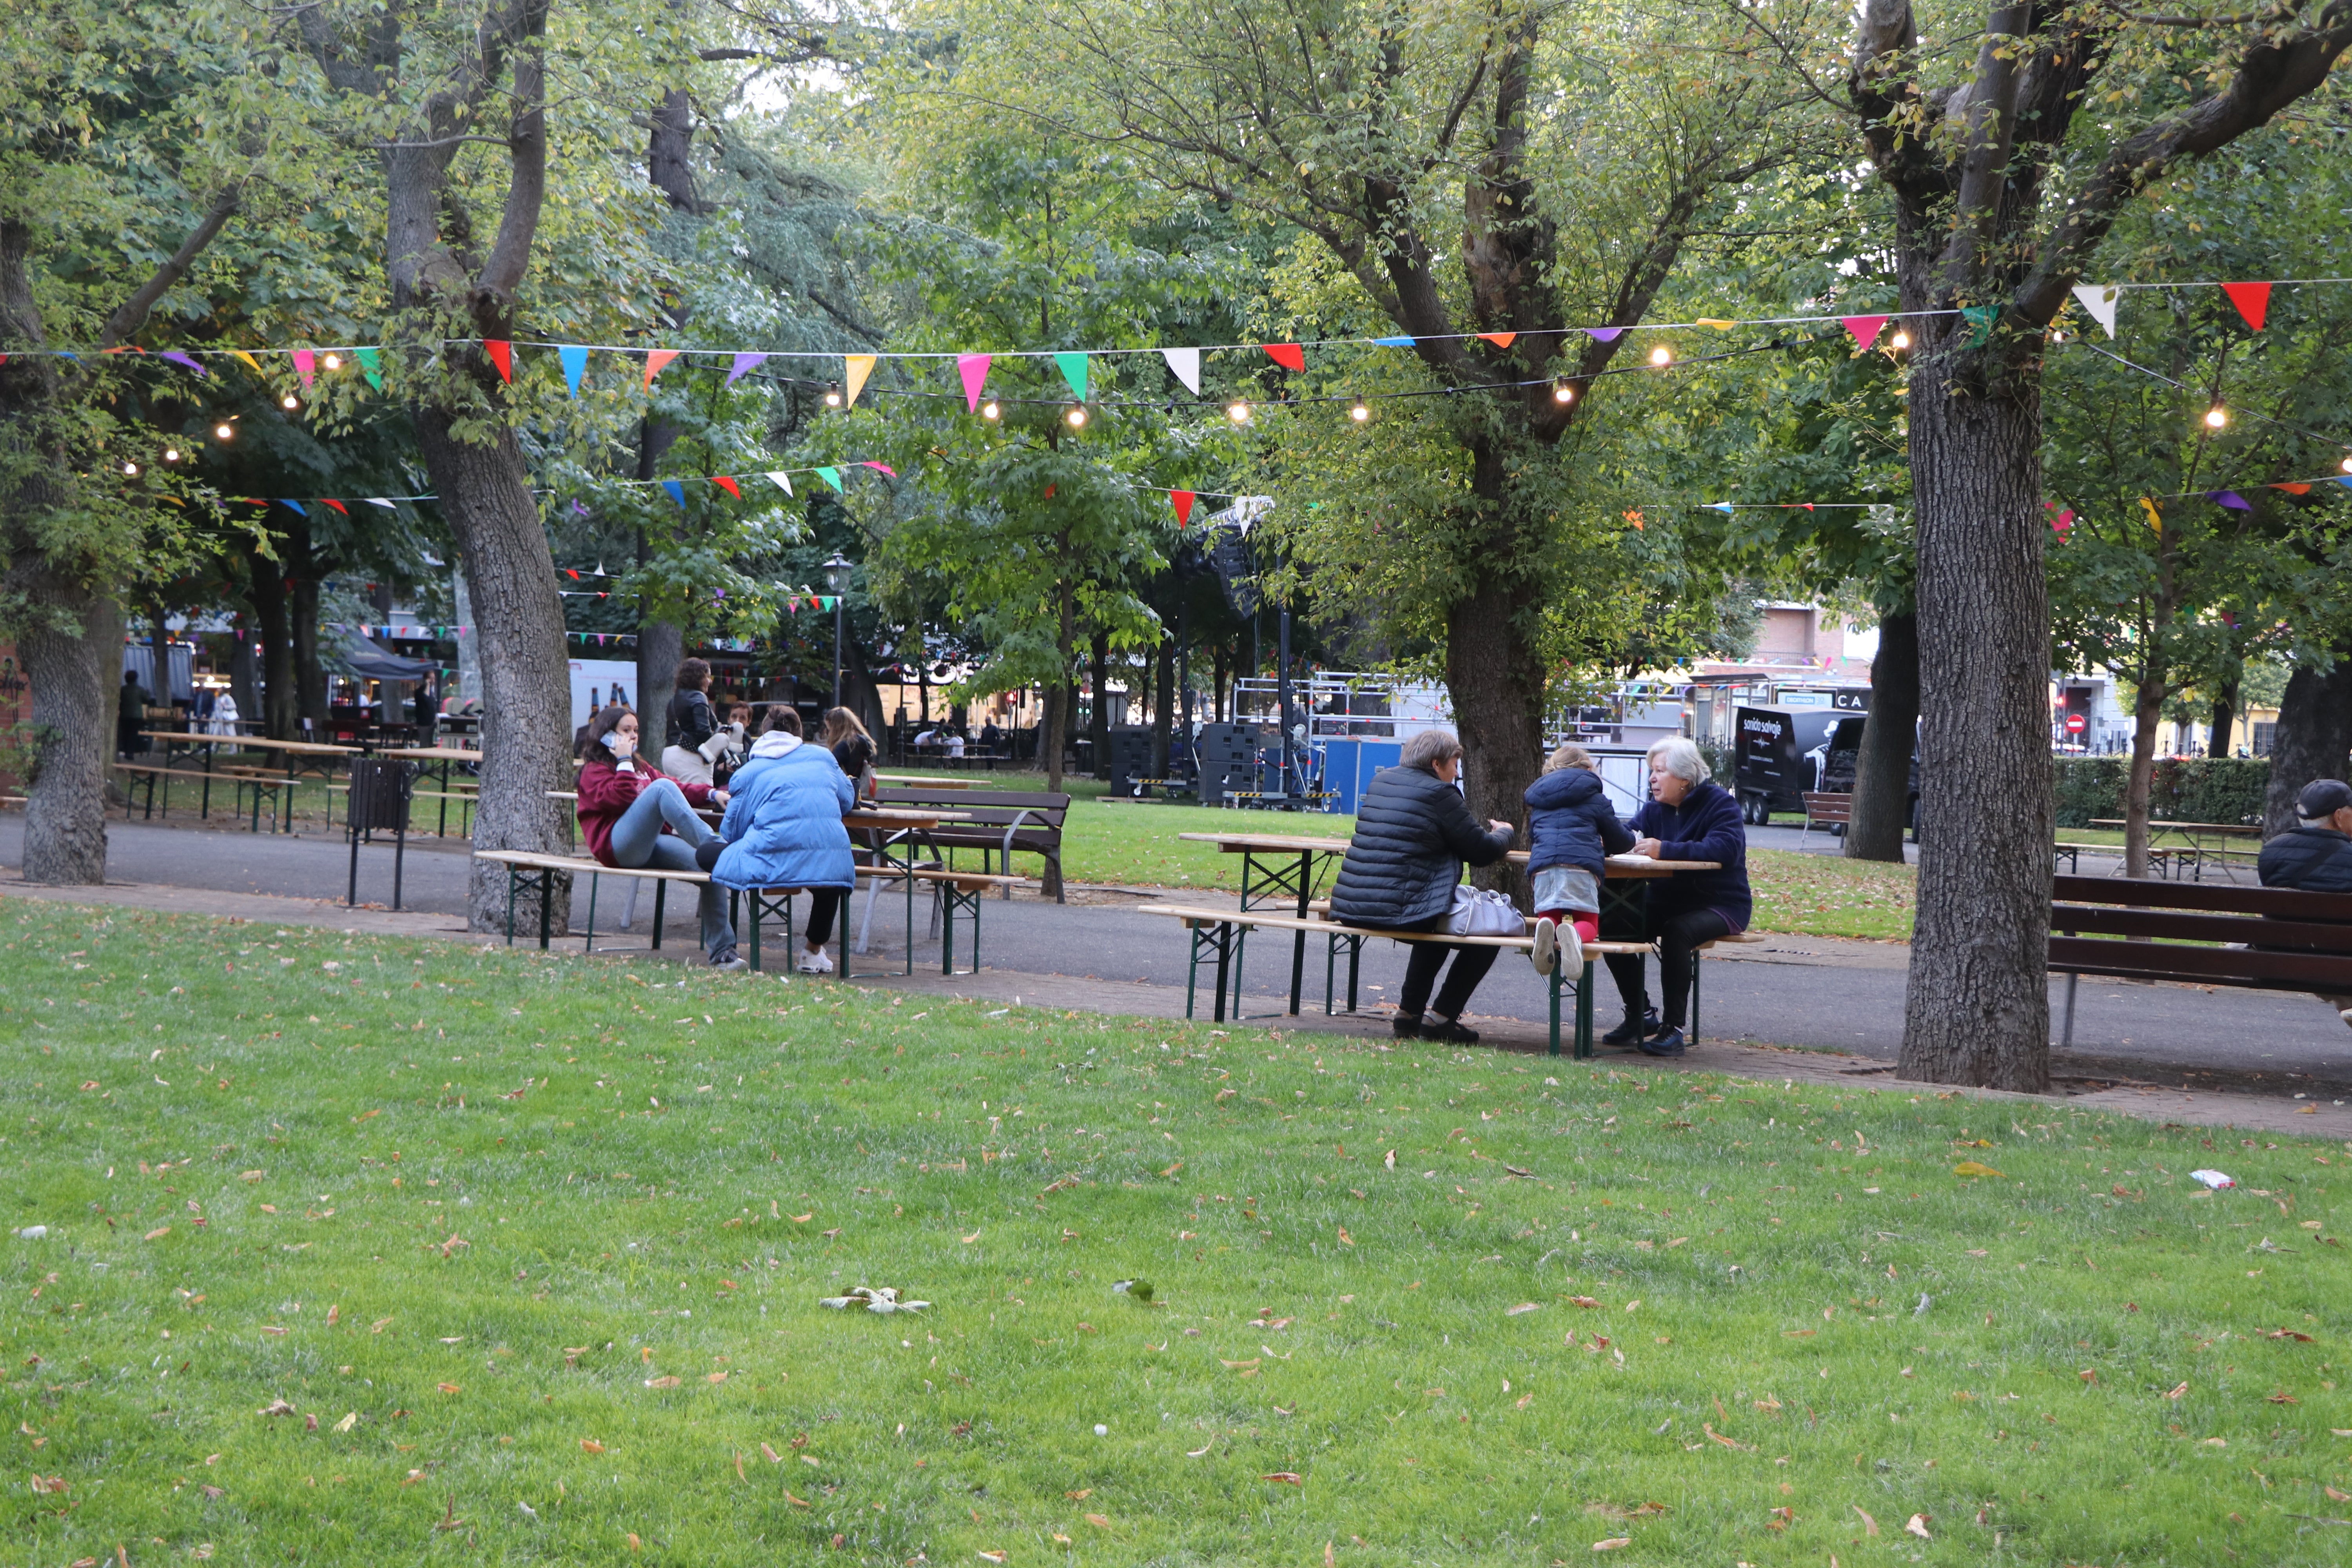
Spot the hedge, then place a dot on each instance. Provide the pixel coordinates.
(2182, 789)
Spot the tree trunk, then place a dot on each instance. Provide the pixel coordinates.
(2225, 718)
(244, 675)
(310, 679)
(2147, 711)
(1163, 716)
(280, 708)
(660, 646)
(486, 496)
(1496, 678)
(1977, 1008)
(1098, 721)
(70, 675)
(1882, 774)
(2312, 737)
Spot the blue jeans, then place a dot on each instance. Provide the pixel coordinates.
(637, 841)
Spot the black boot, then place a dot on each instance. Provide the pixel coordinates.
(1406, 1025)
(1632, 1031)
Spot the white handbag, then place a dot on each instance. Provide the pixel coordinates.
(1477, 913)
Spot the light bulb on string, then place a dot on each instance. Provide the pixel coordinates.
(289, 403)
(1359, 412)
(224, 432)
(2216, 416)
(2346, 465)
(1238, 412)
(1900, 341)
(990, 411)
(833, 398)
(1076, 416)
(131, 469)
(333, 362)
(1562, 393)
(171, 453)
(1662, 356)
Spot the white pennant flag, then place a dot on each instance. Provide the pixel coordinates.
(782, 482)
(1186, 364)
(2099, 300)
(379, 500)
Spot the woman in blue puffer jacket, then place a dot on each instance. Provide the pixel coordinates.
(782, 828)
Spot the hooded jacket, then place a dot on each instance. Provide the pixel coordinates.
(1571, 823)
(1413, 831)
(783, 824)
(606, 791)
(2315, 859)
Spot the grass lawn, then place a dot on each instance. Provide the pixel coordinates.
(370, 1250)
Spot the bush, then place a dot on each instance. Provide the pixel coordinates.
(2180, 789)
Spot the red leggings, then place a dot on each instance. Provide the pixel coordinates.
(1588, 926)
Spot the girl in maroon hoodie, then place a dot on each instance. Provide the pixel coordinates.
(633, 815)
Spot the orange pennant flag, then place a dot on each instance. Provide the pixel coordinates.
(655, 360)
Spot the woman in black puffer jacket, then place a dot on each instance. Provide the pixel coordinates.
(1413, 832)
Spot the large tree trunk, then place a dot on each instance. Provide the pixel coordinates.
(1882, 774)
(1163, 716)
(2225, 718)
(2147, 711)
(69, 671)
(309, 677)
(1099, 718)
(2313, 738)
(280, 708)
(1978, 1011)
(525, 732)
(660, 646)
(1496, 678)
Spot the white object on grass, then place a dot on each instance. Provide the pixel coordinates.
(32, 1233)
(2213, 1179)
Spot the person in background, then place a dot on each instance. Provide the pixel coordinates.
(225, 715)
(691, 721)
(2316, 854)
(851, 748)
(784, 829)
(1413, 831)
(131, 715)
(990, 737)
(955, 743)
(1571, 831)
(1688, 818)
(633, 815)
(926, 737)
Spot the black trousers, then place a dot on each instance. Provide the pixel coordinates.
(1470, 966)
(824, 903)
(1678, 934)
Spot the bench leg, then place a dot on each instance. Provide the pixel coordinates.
(754, 924)
(629, 907)
(1584, 1014)
(546, 905)
(1552, 1046)
(2068, 1042)
(661, 892)
(511, 898)
(1226, 953)
(1698, 963)
(595, 881)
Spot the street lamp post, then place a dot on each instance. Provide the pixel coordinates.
(836, 577)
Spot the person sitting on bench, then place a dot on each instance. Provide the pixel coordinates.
(782, 829)
(1688, 818)
(633, 815)
(1413, 831)
(2315, 855)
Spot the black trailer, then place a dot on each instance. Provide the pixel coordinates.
(1780, 754)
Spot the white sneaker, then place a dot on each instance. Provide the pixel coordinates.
(1571, 949)
(1545, 953)
(815, 963)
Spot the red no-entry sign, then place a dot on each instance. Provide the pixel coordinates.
(2077, 723)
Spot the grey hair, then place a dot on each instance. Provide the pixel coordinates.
(1429, 748)
(1681, 757)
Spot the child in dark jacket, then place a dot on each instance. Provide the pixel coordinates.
(1571, 830)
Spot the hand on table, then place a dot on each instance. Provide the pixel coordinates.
(1649, 847)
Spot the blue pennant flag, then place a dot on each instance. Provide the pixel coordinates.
(1393, 343)
(575, 362)
(677, 492)
(296, 506)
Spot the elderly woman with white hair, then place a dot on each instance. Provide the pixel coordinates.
(1688, 818)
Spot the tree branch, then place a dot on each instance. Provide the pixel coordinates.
(509, 256)
(131, 314)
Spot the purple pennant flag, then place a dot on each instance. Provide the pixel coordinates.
(1606, 335)
(744, 364)
(178, 358)
(2229, 499)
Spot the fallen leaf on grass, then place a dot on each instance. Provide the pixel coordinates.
(1582, 1301)
(158, 1233)
(1345, 1239)
(1613, 1544)
(590, 1446)
(1522, 1307)
(1974, 1168)
(2288, 1334)
(991, 1556)
(1290, 1476)
(1098, 1520)
(2177, 1391)
(2281, 1397)
(1869, 1525)
(803, 1218)
(1249, 1365)
(1727, 1442)
(451, 1388)
(661, 1383)
(2335, 1496)
(968, 1240)
(1918, 1525)
(635, 1544)
(411, 1478)
(275, 1408)
(351, 1419)
(1196, 1453)
(797, 1503)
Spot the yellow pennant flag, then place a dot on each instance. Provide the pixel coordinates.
(248, 359)
(859, 367)
(1718, 324)
(2155, 517)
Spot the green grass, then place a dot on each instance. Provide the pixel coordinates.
(527, 1233)
(1828, 895)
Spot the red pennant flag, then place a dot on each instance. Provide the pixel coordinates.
(724, 483)
(570, 574)
(1182, 502)
(2252, 299)
(1050, 489)
(2293, 488)
(1289, 356)
(1864, 329)
(655, 360)
(502, 356)
(1500, 339)
(330, 501)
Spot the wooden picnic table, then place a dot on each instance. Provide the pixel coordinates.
(2195, 833)
(1269, 875)
(293, 751)
(902, 779)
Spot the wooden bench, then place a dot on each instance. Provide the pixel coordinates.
(1216, 930)
(953, 892)
(1824, 808)
(151, 771)
(997, 822)
(2261, 939)
(470, 799)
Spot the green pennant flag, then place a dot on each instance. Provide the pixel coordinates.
(372, 365)
(1074, 370)
(830, 476)
(1980, 319)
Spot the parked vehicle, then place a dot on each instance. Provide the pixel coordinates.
(1835, 763)
(1779, 757)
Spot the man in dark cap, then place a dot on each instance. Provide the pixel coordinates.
(2315, 855)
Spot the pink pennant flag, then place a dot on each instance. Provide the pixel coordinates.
(655, 360)
(1865, 329)
(1182, 502)
(973, 368)
(1289, 356)
(502, 356)
(881, 468)
(2252, 299)
(306, 365)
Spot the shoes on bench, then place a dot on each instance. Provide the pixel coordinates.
(1554, 945)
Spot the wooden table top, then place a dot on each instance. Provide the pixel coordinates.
(902, 780)
(2159, 825)
(256, 742)
(435, 753)
(1294, 843)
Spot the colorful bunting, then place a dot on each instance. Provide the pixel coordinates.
(880, 468)
(781, 481)
(1386, 343)
(1074, 370)
(2252, 299)
(296, 506)
(2229, 499)
(1605, 334)
(306, 366)
(856, 368)
(371, 365)
(729, 485)
(1289, 356)
(178, 358)
(2099, 301)
(575, 365)
(1184, 365)
(252, 363)
(973, 368)
(1863, 328)
(677, 492)
(1182, 502)
(502, 356)
(1980, 319)
(1500, 339)
(1717, 322)
(2155, 517)
(330, 501)
(744, 364)
(830, 475)
(655, 360)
